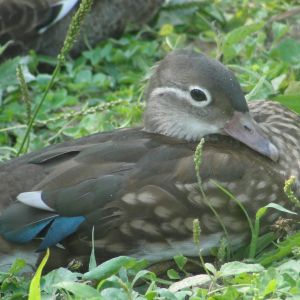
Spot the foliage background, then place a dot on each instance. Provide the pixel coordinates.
(102, 90)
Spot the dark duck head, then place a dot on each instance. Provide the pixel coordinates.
(191, 96)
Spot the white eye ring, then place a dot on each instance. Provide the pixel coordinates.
(202, 93)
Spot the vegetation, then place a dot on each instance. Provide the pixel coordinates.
(102, 90)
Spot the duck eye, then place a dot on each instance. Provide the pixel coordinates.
(198, 95)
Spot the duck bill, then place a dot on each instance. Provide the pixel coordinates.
(243, 128)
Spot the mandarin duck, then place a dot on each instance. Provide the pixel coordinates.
(138, 188)
(28, 24)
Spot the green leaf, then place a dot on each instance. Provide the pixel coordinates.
(83, 76)
(280, 208)
(236, 267)
(110, 267)
(141, 274)
(279, 82)
(236, 36)
(93, 55)
(293, 88)
(3, 48)
(211, 268)
(172, 274)
(35, 289)
(150, 295)
(114, 294)
(57, 276)
(166, 294)
(230, 294)
(180, 261)
(270, 288)
(290, 101)
(282, 250)
(166, 30)
(279, 30)
(287, 51)
(17, 266)
(261, 212)
(262, 90)
(265, 240)
(79, 289)
(92, 262)
(8, 72)
(289, 265)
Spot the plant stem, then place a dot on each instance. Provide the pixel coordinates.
(71, 36)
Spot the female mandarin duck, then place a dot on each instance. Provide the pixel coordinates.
(138, 188)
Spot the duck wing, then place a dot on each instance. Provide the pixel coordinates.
(140, 193)
(61, 186)
(23, 17)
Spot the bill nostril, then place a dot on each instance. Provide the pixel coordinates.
(247, 128)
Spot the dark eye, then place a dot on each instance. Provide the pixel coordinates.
(198, 95)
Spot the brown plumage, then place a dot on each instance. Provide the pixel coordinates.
(138, 187)
(22, 21)
(19, 18)
(42, 24)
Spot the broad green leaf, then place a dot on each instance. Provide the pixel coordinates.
(189, 282)
(110, 267)
(236, 267)
(282, 250)
(141, 274)
(17, 266)
(150, 295)
(35, 289)
(290, 101)
(270, 288)
(236, 36)
(211, 268)
(180, 261)
(230, 294)
(264, 240)
(93, 55)
(79, 289)
(262, 90)
(8, 72)
(278, 82)
(172, 274)
(261, 212)
(293, 88)
(166, 30)
(166, 294)
(292, 264)
(288, 51)
(114, 294)
(279, 30)
(57, 276)
(84, 76)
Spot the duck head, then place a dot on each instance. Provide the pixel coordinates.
(190, 96)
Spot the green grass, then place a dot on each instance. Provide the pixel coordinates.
(102, 90)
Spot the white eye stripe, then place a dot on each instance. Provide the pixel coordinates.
(163, 90)
(183, 94)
